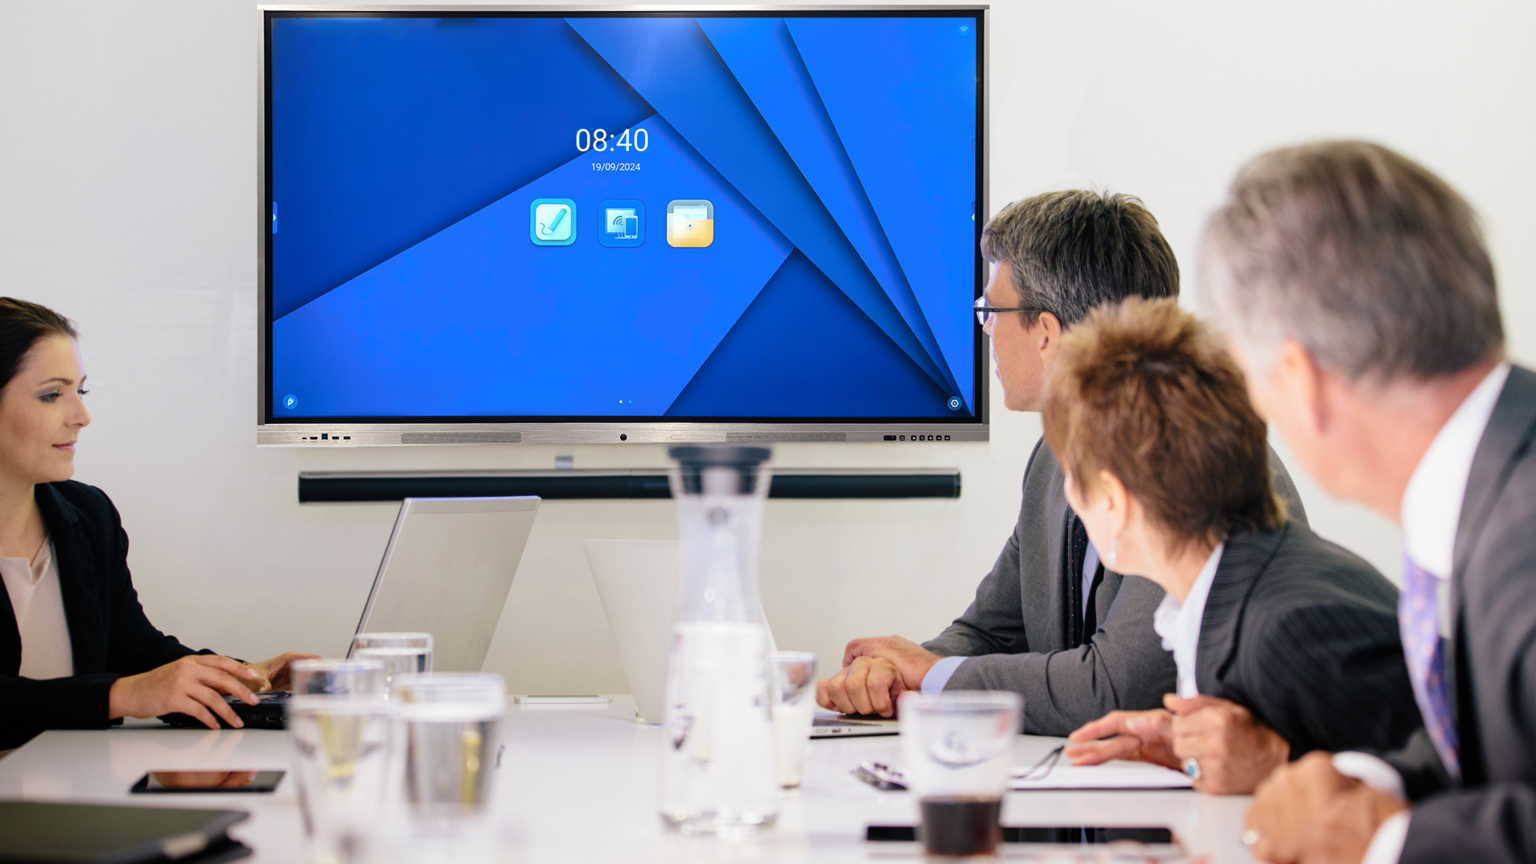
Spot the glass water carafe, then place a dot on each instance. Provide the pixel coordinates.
(718, 761)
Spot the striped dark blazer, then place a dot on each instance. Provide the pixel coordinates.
(1304, 634)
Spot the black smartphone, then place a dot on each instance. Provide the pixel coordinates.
(164, 782)
(1068, 834)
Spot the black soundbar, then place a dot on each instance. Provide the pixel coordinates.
(338, 487)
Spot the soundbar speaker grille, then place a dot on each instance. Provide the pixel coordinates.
(461, 437)
(772, 437)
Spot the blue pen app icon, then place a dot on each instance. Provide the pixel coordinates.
(552, 221)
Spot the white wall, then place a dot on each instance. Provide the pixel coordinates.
(128, 199)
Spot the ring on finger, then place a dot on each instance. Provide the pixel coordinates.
(1192, 768)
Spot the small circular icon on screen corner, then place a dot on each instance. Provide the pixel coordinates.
(290, 401)
(954, 403)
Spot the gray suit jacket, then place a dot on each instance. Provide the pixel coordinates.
(1304, 634)
(1015, 631)
(1491, 658)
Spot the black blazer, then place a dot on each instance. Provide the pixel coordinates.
(1015, 631)
(108, 633)
(1304, 634)
(1490, 816)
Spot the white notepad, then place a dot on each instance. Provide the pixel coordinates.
(1110, 775)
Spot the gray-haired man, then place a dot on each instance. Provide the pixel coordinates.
(1049, 621)
(1361, 299)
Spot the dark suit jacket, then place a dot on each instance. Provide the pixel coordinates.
(1015, 630)
(1304, 634)
(108, 633)
(1491, 658)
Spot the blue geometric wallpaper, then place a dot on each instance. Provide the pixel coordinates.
(622, 217)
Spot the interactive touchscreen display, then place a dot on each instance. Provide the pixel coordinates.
(615, 216)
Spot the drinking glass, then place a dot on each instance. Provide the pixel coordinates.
(452, 730)
(792, 675)
(957, 752)
(402, 652)
(398, 662)
(340, 726)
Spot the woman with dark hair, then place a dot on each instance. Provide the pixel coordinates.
(1283, 642)
(76, 651)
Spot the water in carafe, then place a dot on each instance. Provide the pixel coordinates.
(718, 749)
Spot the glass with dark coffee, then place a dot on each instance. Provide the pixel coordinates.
(957, 751)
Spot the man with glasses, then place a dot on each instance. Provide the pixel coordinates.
(1050, 622)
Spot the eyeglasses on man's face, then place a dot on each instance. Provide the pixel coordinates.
(984, 313)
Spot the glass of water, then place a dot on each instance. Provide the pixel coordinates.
(340, 727)
(452, 728)
(792, 675)
(957, 753)
(402, 652)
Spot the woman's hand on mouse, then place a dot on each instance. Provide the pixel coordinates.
(193, 685)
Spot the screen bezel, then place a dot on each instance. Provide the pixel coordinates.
(360, 431)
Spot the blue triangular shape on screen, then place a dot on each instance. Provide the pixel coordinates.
(901, 93)
(673, 66)
(803, 349)
(762, 55)
(386, 131)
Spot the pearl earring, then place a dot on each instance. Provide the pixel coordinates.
(1114, 552)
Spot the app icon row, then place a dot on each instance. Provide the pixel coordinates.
(690, 223)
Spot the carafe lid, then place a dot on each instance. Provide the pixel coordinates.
(719, 455)
(742, 474)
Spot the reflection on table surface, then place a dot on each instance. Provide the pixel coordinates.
(202, 779)
(581, 784)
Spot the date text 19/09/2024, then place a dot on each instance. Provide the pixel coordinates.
(615, 166)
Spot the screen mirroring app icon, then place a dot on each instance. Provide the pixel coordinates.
(623, 223)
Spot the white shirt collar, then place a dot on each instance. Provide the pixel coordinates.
(1179, 623)
(1432, 501)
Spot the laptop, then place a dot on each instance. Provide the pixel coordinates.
(447, 570)
(637, 583)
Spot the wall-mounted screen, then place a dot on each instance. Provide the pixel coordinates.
(561, 221)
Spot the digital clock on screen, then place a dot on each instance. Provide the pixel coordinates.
(602, 140)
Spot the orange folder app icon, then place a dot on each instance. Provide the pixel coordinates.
(690, 223)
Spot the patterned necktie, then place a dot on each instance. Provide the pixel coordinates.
(1418, 618)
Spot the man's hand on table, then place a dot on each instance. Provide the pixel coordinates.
(910, 659)
(875, 672)
(1309, 813)
(1235, 752)
(866, 686)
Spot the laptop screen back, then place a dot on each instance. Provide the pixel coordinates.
(447, 571)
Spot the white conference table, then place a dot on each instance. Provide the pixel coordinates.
(578, 783)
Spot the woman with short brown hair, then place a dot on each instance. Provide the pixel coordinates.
(1167, 466)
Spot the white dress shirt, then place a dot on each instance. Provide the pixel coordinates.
(1179, 623)
(38, 604)
(1430, 517)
